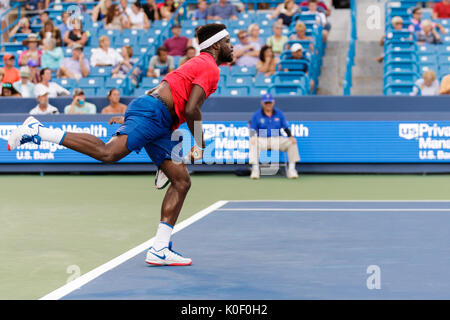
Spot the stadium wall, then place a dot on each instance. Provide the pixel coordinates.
(334, 134)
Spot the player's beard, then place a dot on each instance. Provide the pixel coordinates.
(226, 56)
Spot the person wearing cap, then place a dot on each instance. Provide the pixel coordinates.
(246, 53)
(33, 52)
(54, 89)
(79, 104)
(11, 73)
(176, 45)
(24, 86)
(74, 67)
(104, 55)
(43, 107)
(265, 134)
(297, 54)
(34, 72)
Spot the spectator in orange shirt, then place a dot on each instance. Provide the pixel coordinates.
(441, 10)
(11, 73)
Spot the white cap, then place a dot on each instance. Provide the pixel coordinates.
(40, 90)
(296, 46)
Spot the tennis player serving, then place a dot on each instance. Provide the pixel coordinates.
(148, 123)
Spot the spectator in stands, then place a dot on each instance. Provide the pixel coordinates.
(176, 45)
(33, 52)
(127, 63)
(43, 107)
(79, 104)
(52, 56)
(397, 25)
(416, 21)
(100, 10)
(321, 18)
(321, 6)
(222, 11)
(194, 42)
(44, 17)
(277, 41)
(190, 53)
(297, 54)
(65, 25)
(201, 13)
(9, 91)
(265, 134)
(428, 84)
(300, 34)
(138, 19)
(10, 73)
(34, 5)
(428, 34)
(267, 61)
(151, 11)
(22, 27)
(104, 55)
(123, 5)
(76, 35)
(253, 34)
(167, 9)
(24, 86)
(114, 107)
(76, 66)
(246, 53)
(50, 31)
(445, 85)
(115, 20)
(54, 89)
(285, 11)
(34, 71)
(161, 64)
(441, 10)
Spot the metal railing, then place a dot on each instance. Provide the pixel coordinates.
(351, 50)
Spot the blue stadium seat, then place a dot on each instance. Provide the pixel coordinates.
(91, 82)
(188, 32)
(239, 80)
(399, 89)
(90, 92)
(192, 24)
(139, 92)
(146, 40)
(287, 89)
(69, 84)
(100, 71)
(243, 71)
(113, 83)
(258, 91)
(261, 81)
(150, 82)
(225, 70)
(234, 91)
(291, 77)
(401, 78)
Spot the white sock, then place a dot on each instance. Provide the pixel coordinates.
(291, 166)
(52, 135)
(163, 235)
(255, 167)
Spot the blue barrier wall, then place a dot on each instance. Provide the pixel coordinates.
(334, 134)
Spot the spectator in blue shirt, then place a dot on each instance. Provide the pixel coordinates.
(201, 13)
(265, 134)
(222, 11)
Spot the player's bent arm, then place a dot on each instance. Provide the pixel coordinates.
(194, 113)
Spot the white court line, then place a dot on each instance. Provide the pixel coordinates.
(340, 201)
(337, 210)
(91, 275)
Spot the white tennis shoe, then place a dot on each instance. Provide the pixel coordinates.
(166, 257)
(291, 174)
(255, 173)
(27, 132)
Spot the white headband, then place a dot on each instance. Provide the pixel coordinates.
(217, 37)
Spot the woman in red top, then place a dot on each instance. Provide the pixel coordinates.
(441, 10)
(149, 123)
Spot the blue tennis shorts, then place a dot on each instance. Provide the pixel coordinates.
(148, 125)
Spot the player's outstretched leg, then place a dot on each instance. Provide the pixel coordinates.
(33, 131)
(161, 252)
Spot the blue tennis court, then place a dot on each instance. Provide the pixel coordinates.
(296, 250)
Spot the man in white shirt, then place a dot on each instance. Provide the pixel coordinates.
(24, 86)
(43, 107)
(104, 55)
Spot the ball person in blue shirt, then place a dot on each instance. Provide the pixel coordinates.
(265, 134)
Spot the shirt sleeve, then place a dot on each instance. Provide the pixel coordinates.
(254, 123)
(284, 122)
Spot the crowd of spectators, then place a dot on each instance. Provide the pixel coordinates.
(424, 32)
(44, 56)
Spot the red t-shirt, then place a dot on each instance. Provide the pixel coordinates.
(442, 10)
(11, 75)
(176, 46)
(201, 70)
